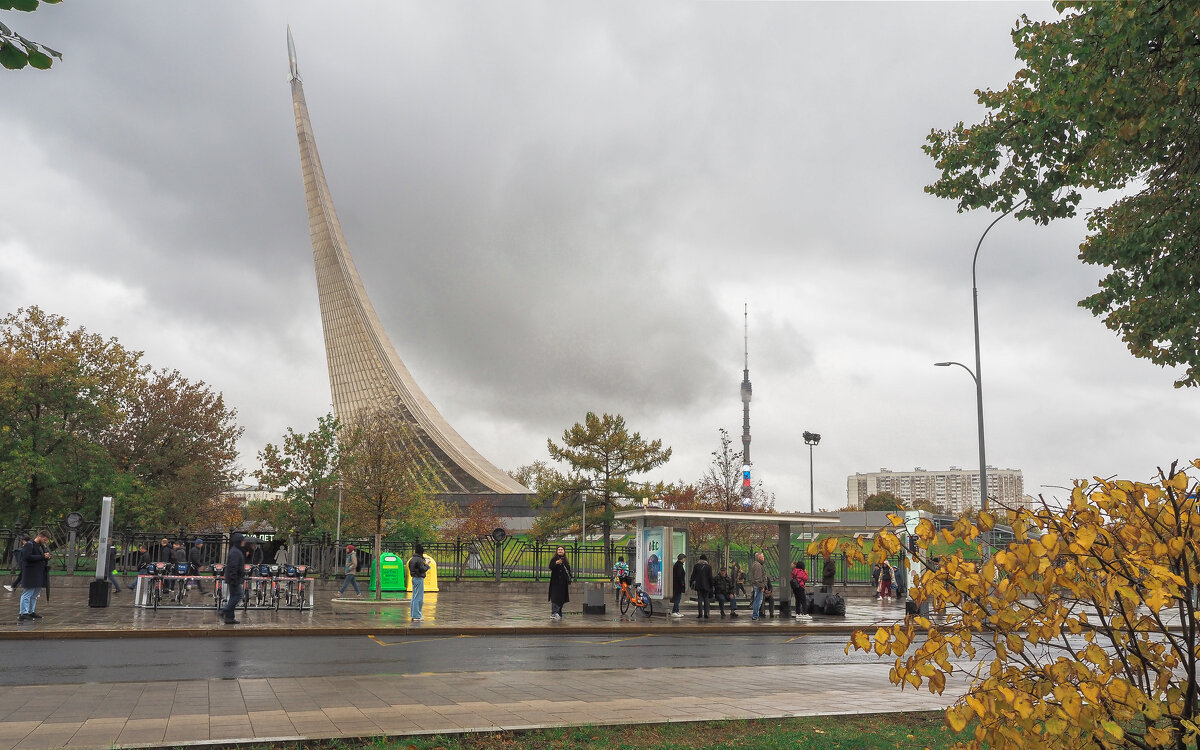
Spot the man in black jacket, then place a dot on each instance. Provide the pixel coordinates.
(35, 574)
(678, 584)
(702, 584)
(234, 575)
(196, 558)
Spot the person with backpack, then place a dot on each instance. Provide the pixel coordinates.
(351, 567)
(417, 568)
(702, 583)
(886, 578)
(799, 582)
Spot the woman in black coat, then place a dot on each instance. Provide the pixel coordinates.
(560, 580)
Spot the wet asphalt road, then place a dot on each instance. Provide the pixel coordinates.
(157, 659)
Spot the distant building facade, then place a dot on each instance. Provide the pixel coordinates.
(952, 490)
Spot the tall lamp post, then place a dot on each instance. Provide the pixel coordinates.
(811, 439)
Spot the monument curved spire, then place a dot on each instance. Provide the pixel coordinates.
(365, 371)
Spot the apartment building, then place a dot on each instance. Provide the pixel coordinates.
(950, 490)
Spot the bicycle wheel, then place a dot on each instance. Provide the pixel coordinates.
(155, 595)
(275, 591)
(647, 605)
(624, 602)
(300, 596)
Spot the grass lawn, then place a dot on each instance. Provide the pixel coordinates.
(866, 732)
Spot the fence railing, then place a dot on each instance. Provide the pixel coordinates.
(461, 559)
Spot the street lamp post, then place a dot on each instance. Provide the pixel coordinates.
(811, 439)
(979, 412)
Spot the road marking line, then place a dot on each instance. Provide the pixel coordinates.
(618, 640)
(421, 640)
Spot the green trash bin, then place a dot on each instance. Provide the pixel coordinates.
(391, 572)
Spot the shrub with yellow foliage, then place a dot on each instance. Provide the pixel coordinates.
(1080, 633)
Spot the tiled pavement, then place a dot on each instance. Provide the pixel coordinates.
(179, 713)
(476, 612)
(102, 715)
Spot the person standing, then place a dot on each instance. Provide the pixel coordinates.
(799, 584)
(35, 574)
(234, 575)
(702, 583)
(351, 566)
(828, 573)
(886, 578)
(162, 553)
(758, 582)
(723, 587)
(417, 568)
(678, 584)
(16, 561)
(196, 559)
(560, 582)
(111, 565)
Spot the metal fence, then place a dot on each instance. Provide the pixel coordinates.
(461, 559)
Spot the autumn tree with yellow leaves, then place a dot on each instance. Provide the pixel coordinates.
(1082, 632)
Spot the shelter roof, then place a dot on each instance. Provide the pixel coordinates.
(674, 517)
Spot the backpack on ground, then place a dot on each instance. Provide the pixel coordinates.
(835, 605)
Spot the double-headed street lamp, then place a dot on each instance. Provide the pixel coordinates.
(810, 439)
(979, 411)
(977, 374)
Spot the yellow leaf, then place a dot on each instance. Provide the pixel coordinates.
(937, 683)
(1114, 729)
(1055, 726)
(986, 520)
(1015, 644)
(1084, 536)
(1179, 481)
(1049, 541)
(1023, 706)
(861, 641)
(956, 720)
(1071, 705)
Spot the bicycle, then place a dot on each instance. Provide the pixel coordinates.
(181, 570)
(635, 598)
(155, 594)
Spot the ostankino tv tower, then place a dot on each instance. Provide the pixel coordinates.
(747, 492)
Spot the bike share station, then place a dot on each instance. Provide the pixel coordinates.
(662, 536)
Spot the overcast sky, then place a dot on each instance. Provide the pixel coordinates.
(562, 207)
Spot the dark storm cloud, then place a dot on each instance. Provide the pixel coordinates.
(559, 208)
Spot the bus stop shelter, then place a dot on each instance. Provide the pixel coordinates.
(660, 522)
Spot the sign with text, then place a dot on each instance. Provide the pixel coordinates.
(652, 561)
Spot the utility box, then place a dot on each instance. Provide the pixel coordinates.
(391, 573)
(593, 598)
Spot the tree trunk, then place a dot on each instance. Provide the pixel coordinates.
(376, 562)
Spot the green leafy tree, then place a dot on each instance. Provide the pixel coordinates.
(61, 392)
(602, 458)
(1106, 99)
(883, 501)
(1082, 632)
(530, 475)
(15, 50)
(305, 467)
(389, 485)
(177, 449)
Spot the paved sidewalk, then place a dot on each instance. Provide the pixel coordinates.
(67, 615)
(176, 713)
